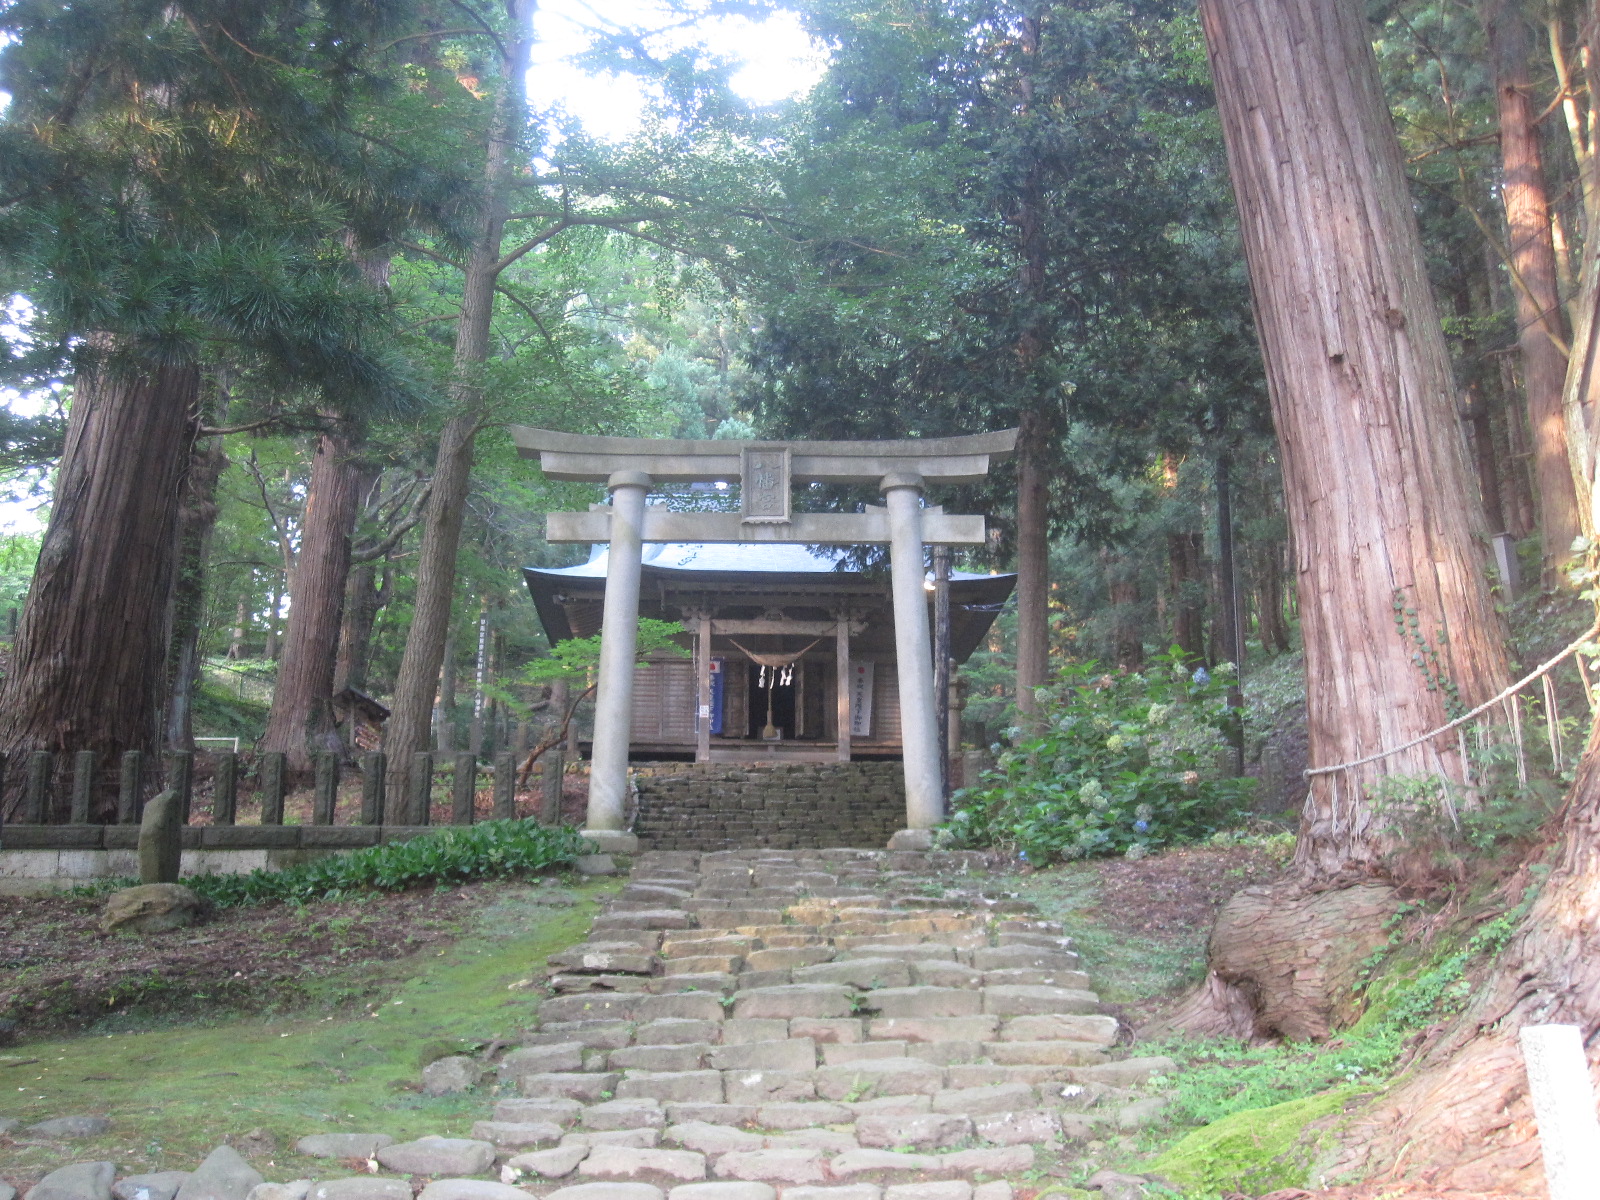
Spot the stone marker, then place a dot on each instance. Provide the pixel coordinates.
(224, 1175)
(1563, 1105)
(79, 1181)
(150, 908)
(161, 839)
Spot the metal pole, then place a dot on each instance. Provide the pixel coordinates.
(619, 630)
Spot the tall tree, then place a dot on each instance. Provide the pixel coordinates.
(169, 170)
(1380, 503)
(1531, 258)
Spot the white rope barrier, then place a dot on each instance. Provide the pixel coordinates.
(1465, 717)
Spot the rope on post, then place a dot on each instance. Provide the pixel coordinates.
(1465, 717)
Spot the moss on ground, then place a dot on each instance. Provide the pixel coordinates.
(1255, 1151)
(175, 1094)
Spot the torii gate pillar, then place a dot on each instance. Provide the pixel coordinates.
(919, 722)
(766, 472)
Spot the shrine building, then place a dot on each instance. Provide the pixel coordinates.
(772, 629)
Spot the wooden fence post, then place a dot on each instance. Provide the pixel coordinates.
(83, 786)
(373, 768)
(419, 788)
(274, 768)
(464, 789)
(225, 790)
(326, 794)
(505, 787)
(36, 789)
(130, 803)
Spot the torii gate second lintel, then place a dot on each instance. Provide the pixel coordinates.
(766, 472)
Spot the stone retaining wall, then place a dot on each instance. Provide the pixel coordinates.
(793, 806)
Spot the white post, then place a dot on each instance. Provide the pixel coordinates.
(619, 632)
(919, 724)
(1563, 1104)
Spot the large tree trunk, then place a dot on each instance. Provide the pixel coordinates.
(88, 667)
(1541, 329)
(1033, 487)
(197, 517)
(411, 723)
(1375, 480)
(363, 600)
(301, 721)
(1033, 565)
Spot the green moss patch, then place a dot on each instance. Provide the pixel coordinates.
(174, 1094)
(1255, 1151)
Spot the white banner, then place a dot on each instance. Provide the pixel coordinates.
(861, 674)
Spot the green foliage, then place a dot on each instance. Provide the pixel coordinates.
(576, 657)
(1253, 1102)
(1125, 763)
(490, 850)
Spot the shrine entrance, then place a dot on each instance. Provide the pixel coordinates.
(827, 609)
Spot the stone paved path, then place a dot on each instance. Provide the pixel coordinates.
(823, 1024)
(757, 1025)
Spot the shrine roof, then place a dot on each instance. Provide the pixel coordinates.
(771, 558)
(569, 599)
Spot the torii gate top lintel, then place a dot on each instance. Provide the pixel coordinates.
(594, 458)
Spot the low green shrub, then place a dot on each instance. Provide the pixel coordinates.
(1124, 764)
(453, 854)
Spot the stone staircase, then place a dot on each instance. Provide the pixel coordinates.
(715, 806)
(821, 1023)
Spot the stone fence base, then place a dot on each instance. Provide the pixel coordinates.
(792, 806)
(42, 858)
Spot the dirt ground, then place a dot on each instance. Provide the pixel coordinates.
(59, 973)
(1142, 925)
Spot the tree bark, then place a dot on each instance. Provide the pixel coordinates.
(301, 723)
(1461, 1118)
(88, 666)
(363, 600)
(409, 727)
(1541, 329)
(1375, 479)
(1033, 487)
(197, 517)
(1186, 582)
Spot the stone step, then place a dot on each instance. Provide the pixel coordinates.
(858, 973)
(924, 1002)
(599, 983)
(795, 1000)
(1071, 1027)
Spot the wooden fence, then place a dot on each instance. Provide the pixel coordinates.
(413, 808)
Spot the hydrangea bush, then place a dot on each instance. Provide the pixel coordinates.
(1122, 764)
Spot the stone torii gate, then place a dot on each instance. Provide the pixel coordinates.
(766, 473)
